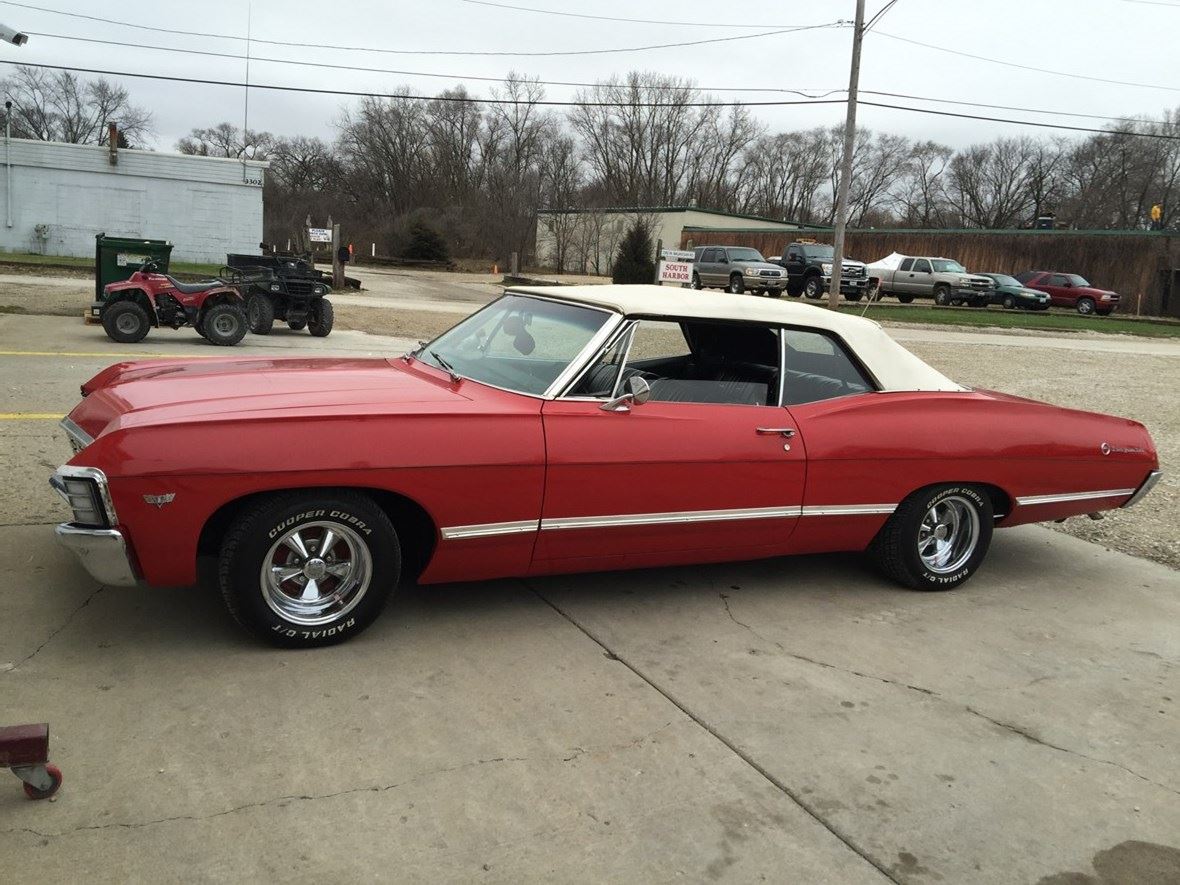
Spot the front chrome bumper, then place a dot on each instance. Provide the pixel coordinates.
(1147, 485)
(103, 553)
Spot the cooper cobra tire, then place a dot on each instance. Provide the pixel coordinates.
(224, 324)
(260, 312)
(320, 319)
(126, 322)
(277, 549)
(736, 286)
(813, 287)
(936, 538)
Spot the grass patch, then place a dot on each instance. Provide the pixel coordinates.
(52, 262)
(1015, 319)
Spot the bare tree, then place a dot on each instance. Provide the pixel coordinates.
(227, 140)
(920, 194)
(62, 106)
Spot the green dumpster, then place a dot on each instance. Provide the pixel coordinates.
(117, 258)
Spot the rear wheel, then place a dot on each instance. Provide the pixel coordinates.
(320, 318)
(905, 299)
(126, 322)
(813, 287)
(1085, 306)
(309, 568)
(260, 313)
(936, 538)
(736, 286)
(224, 324)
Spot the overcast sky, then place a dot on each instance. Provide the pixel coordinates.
(1128, 40)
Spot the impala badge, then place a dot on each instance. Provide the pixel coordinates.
(160, 500)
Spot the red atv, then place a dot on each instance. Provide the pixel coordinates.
(129, 309)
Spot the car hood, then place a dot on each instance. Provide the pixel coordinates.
(176, 391)
(757, 265)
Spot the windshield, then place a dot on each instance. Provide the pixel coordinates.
(1076, 280)
(945, 265)
(744, 255)
(516, 342)
(1002, 279)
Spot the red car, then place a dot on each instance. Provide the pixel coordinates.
(1070, 290)
(563, 430)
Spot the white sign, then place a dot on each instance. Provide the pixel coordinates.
(677, 255)
(123, 259)
(320, 234)
(675, 272)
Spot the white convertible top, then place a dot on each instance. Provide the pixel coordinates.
(894, 367)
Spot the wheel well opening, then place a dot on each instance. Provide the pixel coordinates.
(1001, 503)
(137, 296)
(415, 529)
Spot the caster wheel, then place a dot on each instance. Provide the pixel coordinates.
(33, 793)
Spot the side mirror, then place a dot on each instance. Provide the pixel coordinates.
(638, 391)
(1067, 284)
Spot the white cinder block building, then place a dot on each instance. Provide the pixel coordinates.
(63, 194)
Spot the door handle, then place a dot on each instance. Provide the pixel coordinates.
(787, 432)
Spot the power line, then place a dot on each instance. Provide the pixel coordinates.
(1012, 64)
(879, 15)
(1005, 107)
(548, 103)
(611, 18)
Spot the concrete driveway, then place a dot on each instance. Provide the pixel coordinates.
(793, 720)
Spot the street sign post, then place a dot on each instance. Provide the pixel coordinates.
(319, 234)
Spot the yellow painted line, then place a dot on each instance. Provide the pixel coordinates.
(140, 355)
(30, 416)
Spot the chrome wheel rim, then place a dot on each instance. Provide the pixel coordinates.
(316, 573)
(1085, 306)
(127, 323)
(948, 535)
(225, 324)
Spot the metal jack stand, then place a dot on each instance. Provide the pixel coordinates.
(25, 750)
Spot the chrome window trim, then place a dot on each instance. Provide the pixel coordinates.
(489, 529)
(620, 330)
(782, 365)
(100, 480)
(581, 362)
(78, 437)
(1146, 486)
(1064, 497)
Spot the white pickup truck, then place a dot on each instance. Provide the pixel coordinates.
(943, 279)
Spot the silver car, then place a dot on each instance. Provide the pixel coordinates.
(737, 269)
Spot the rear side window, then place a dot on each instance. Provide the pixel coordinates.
(906, 264)
(817, 368)
(710, 255)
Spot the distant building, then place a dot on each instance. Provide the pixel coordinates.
(585, 240)
(64, 194)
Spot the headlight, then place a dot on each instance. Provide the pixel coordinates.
(827, 269)
(750, 271)
(84, 498)
(320, 290)
(274, 287)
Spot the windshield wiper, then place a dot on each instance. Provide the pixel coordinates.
(455, 376)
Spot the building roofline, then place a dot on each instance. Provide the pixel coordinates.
(668, 210)
(261, 164)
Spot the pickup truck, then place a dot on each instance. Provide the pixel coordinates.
(943, 279)
(809, 272)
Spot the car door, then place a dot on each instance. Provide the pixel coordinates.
(668, 481)
(707, 268)
(1061, 294)
(920, 280)
(795, 263)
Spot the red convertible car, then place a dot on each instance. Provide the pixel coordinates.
(563, 430)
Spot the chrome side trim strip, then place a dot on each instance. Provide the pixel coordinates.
(1147, 485)
(1073, 496)
(78, 437)
(849, 509)
(489, 529)
(590, 522)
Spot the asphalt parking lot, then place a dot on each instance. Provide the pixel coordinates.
(796, 720)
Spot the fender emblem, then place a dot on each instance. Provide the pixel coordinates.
(160, 500)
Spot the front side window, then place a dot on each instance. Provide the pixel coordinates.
(946, 265)
(1076, 280)
(517, 342)
(1058, 280)
(921, 265)
(817, 367)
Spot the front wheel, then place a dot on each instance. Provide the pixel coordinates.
(813, 287)
(937, 537)
(1009, 302)
(736, 286)
(942, 296)
(310, 568)
(224, 324)
(320, 318)
(1085, 306)
(696, 281)
(126, 322)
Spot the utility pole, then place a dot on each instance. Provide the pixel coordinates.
(858, 32)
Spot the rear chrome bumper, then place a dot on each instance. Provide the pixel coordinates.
(1147, 485)
(102, 552)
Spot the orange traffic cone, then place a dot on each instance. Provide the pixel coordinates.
(495, 269)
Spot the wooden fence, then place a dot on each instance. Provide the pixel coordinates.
(1143, 267)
